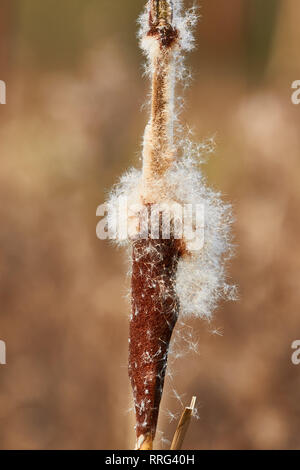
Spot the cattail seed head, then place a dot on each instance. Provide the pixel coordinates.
(168, 278)
(155, 309)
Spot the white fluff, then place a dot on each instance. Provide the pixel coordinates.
(201, 276)
(184, 22)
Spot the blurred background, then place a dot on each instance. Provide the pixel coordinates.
(72, 124)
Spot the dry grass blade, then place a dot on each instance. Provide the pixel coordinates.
(183, 425)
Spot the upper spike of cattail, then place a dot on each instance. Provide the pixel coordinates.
(158, 151)
(161, 12)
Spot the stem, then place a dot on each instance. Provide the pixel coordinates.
(158, 151)
(147, 443)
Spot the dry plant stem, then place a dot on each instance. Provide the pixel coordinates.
(183, 426)
(147, 444)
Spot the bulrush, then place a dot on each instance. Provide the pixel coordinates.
(171, 276)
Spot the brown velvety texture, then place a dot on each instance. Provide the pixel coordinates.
(154, 315)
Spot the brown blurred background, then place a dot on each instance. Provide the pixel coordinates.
(72, 124)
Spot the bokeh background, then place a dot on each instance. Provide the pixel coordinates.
(72, 124)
